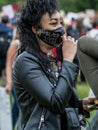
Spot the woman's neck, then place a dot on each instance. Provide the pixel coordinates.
(46, 48)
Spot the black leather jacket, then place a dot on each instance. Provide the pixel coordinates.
(41, 102)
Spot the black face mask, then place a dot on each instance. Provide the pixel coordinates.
(52, 37)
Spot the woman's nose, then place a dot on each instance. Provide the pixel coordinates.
(59, 25)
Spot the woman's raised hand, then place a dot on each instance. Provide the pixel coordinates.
(69, 48)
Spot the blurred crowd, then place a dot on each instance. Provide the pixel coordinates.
(9, 45)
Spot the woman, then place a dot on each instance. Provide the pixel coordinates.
(43, 86)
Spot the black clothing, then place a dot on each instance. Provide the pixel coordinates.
(42, 99)
(5, 36)
(73, 32)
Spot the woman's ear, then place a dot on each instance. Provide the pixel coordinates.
(36, 31)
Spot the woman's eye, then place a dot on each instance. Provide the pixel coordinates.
(61, 22)
(53, 23)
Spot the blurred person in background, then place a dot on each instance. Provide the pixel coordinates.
(73, 30)
(5, 40)
(11, 55)
(93, 33)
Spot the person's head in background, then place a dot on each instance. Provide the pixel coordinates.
(37, 19)
(95, 24)
(5, 19)
(74, 23)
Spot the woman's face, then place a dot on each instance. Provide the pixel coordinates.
(52, 29)
(51, 22)
(49, 36)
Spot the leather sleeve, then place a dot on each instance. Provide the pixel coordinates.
(34, 80)
(88, 61)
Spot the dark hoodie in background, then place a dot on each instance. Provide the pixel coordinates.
(6, 32)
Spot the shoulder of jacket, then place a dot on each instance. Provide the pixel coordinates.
(26, 57)
(26, 54)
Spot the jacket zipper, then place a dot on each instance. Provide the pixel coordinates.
(42, 118)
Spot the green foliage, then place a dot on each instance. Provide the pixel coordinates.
(67, 5)
(5, 2)
(78, 5)
(82, 90)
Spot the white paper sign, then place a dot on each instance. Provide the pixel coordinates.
(8, 10)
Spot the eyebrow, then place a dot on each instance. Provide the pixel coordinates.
(55, 19)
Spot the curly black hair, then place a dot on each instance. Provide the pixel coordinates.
(30, 15)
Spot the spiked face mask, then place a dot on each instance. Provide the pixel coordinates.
(52, 37)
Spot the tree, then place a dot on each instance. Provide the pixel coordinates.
(78, 5)
(67, 5)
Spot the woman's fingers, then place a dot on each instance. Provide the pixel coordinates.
(69, 48)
